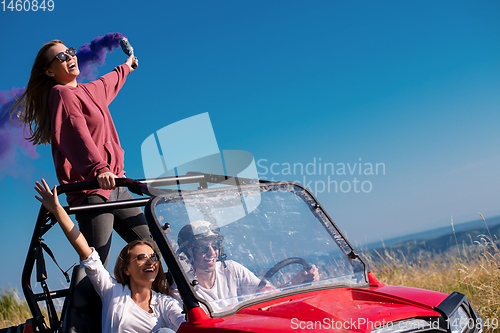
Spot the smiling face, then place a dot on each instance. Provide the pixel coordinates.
(205, 254)
(141, 271)
(65, 72)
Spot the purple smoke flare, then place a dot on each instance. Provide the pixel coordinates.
(90, 56)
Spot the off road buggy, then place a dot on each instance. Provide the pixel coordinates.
(274, 229)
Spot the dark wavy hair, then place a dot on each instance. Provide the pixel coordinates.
(34, 102)
(160, 283)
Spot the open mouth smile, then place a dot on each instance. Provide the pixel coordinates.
(149, 270)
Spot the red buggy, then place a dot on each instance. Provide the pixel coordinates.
(274, 229)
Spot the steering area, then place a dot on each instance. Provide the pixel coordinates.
(283, 263)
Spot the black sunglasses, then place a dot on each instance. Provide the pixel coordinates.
(143, 257)
(215, 245)
(64, 56)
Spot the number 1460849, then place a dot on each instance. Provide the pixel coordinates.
(27, 5)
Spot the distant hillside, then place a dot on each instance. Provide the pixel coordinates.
(442, 239)
(437, 233)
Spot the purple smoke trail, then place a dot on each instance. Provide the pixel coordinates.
(90, 56)
(7, 98)
(12, 137)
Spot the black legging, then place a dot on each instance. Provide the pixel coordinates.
(97, 227)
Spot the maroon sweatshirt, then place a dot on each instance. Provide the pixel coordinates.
(84, 139)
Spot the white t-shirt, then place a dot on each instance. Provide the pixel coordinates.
(231, 282)
(120, 314)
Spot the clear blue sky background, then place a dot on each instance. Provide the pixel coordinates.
(412, 85)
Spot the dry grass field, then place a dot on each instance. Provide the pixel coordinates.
(473, 270)
(13, 309)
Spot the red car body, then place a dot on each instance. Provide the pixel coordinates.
(337, 310)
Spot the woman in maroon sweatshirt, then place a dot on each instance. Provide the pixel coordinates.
(74, 118)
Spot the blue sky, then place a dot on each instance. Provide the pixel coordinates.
(412, 86)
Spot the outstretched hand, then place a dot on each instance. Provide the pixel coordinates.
(47, 197)
(50, 201)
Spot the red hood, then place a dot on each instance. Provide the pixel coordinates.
(336, 310)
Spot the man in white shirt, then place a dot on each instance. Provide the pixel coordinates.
(221, 282)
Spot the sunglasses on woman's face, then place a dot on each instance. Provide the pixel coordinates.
(64, 56)
(143, 257)
(215, 245)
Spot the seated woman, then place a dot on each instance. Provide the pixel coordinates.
(220, 281)
(136, 300)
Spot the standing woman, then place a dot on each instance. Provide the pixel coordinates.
(74, 118)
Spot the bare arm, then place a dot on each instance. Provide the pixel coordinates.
(49, 199)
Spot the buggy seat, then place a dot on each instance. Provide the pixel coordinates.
(84, 307)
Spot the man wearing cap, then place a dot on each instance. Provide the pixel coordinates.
(200, 243)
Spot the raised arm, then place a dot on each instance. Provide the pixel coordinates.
(49, 199)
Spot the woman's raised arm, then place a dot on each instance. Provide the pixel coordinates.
(49, 199)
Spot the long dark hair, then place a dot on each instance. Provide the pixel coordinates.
(34, 102)
(160, 283)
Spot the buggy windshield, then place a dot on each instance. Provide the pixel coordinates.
(242, 233)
